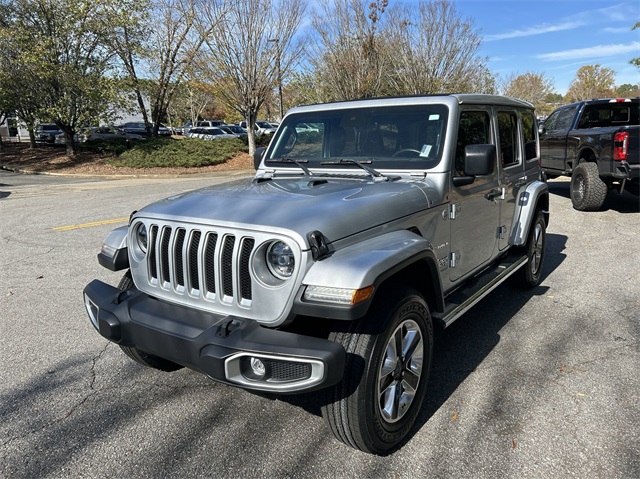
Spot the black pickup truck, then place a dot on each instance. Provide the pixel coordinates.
(596, 142)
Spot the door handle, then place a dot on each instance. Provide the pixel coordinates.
(521, 182)
(493, 194)
(496, 194)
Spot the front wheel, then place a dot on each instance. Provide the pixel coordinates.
(389, 353)
(139, 356)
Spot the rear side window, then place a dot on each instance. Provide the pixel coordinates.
(508, 132)
(608, 114)
(529, 127)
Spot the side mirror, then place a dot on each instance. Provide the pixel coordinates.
(257, 157)
(479, 160)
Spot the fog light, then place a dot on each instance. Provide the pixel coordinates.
(258, 368)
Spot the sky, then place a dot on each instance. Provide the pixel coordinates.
(557, 37)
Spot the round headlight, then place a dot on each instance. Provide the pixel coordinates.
(280, 260)
(142, 237)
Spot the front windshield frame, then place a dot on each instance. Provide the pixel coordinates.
(406, 136)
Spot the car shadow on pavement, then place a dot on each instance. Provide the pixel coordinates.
(460, 349)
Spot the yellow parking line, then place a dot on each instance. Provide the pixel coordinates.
(89, 225)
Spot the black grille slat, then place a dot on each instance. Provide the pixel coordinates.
(164, 251)
(245, 277)
(194, 274)
(179, 257)
(152, 252)
(210, 263)
(227, 265)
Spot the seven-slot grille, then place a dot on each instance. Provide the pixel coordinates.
(207, 264)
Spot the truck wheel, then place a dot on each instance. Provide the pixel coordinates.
(146, 359)
(388, 364)
(588, 191)
(529, 275)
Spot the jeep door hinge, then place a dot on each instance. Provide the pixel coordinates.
(453, 259)
(454, 209)
(502, 230)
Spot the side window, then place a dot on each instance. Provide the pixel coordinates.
(564, 120)
(474, 129)
(508, 133)
(550, 123)
(529, 136)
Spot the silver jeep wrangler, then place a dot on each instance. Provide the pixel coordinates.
(366, 221)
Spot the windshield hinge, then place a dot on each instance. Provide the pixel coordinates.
(418, 175)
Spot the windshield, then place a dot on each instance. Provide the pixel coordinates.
(389, 136)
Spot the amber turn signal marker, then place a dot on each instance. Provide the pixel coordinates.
(360, 295)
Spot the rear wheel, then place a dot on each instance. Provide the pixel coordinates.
(529, 275)
(588, 191)
(146, 359)
(388, 364)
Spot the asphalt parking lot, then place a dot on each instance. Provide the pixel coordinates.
(536, 384)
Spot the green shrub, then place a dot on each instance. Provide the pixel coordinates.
(170, 152)
(111, 147)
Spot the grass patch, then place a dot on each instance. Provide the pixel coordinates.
(169, 152)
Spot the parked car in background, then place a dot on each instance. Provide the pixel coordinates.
(138, 128)
(208, 133)
(181, 130)
(234, 130)
(111, 133)
(261, 127)
(47, 132)
(211, 123)
(597, 144)
(103, 133)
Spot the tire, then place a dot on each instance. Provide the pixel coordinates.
(146, 359)
(588, 191)
(528, 276)
(375, 405)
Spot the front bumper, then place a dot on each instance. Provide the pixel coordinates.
(222, 347)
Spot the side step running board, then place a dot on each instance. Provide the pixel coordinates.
(462, 300)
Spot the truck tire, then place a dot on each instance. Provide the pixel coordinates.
(529, 275)
(146, 359)
(375, 405)
(588, 191)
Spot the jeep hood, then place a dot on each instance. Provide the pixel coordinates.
(336, 207)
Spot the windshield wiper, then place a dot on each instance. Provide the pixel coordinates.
(298, 163)
(375, 174)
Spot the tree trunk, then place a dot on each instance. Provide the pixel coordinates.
(251, 133)
(70, 143)
(32, 136)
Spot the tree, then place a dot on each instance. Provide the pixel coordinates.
(250, 52)
(159, 39)
(592, 81)
(64, 59)
(533, 87)
(628, 91)
(435, 51)
(349, 52)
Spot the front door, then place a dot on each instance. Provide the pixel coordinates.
(473, 213)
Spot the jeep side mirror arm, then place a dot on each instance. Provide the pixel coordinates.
(463, 180)
(257, 157)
